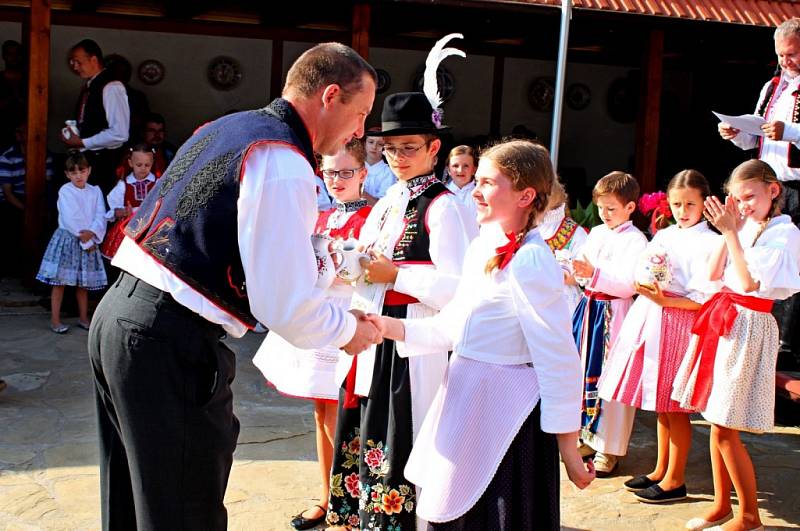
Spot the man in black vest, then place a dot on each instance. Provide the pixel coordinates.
(102, 113)
(779, 105)
(220, 243)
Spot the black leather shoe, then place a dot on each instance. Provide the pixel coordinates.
(639, 483)
(299, 522)
(656, 494)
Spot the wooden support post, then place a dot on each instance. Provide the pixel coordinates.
(647, 128)
(36, 144)
(276, 70)
(361, 21)
(497, 95)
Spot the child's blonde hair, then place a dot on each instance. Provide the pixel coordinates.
(558, 195)
(618, 183)
(462, 150)
(526, 165)
(758, 170)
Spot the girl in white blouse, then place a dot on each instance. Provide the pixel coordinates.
(72, 257)
(728, 373)
(511, 397)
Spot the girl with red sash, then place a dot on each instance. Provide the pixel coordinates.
(124, 199)
(655, 334)
(728, 373)
(487, 453)
(311, 374)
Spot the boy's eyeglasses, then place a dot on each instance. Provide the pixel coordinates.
(343, 174)
(406, 151)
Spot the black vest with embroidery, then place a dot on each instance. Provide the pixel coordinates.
(414, 245)
(793, 156)
(94, 113)
(188, 222)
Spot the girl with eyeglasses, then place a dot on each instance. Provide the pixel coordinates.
(311, 374)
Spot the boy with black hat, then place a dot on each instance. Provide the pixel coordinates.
(417, 236)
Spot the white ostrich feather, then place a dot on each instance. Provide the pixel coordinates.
(430, 85)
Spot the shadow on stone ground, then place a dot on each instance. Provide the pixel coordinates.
(48, 454)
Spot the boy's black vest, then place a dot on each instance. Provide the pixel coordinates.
(414, 245)
(94, 114)
(188, 222)
(793, 155)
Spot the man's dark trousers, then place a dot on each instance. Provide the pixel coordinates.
(165, 411)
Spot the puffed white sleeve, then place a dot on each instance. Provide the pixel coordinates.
(99, 222)
(449, 235)
(619, 279)
(537, 293)
(700, 287)
(437, 334)
(116, 199)
(276, 216)
(775, 262)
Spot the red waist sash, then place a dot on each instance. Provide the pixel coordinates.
(395, 298)
(712, 321)
(600, 296)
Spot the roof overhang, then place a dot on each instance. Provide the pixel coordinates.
(749, 12)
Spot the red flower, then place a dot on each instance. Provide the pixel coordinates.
(374, 458)
(393, 502)
(351, 484)
(375, 496)
(355, 446)
(354, 521)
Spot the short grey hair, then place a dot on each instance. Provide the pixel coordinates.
(788, 28)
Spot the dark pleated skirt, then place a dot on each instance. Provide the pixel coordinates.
(524, 493)
(371, 449)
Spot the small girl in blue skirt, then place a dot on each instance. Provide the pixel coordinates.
(72, 257)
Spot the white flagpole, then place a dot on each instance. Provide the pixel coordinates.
(561, 71)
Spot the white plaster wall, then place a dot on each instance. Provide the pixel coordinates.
(590, 139)
(184, 97)
(10, 30)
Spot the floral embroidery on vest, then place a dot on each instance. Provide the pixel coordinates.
(563, 235)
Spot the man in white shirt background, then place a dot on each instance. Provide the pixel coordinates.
(102, 113)
(221, 242)
(779, 105)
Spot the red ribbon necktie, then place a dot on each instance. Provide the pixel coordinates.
(712, 321)
(506, 252)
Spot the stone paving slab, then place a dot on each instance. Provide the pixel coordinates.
(48, 450)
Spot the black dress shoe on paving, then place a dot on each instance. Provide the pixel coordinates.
(656, 494)
(299, 522)
(639, 483)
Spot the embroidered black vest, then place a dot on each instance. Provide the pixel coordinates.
(94, 114)
(188, 222)
(793, 156)
(414, 245)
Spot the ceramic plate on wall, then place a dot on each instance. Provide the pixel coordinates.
(224, 73)
(151, 72)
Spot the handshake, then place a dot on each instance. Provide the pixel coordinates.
(369, 330)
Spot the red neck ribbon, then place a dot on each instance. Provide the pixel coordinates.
(507, 251)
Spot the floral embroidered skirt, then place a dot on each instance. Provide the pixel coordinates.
(371, 448)
(65, 263)
(524, 492)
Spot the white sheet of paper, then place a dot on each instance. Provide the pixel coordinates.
(747, 123)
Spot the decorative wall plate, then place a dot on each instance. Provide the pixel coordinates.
(150, 72)
(578, 96)
(384, 80)
(447, 83)
(541, 93)
(224, 73)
